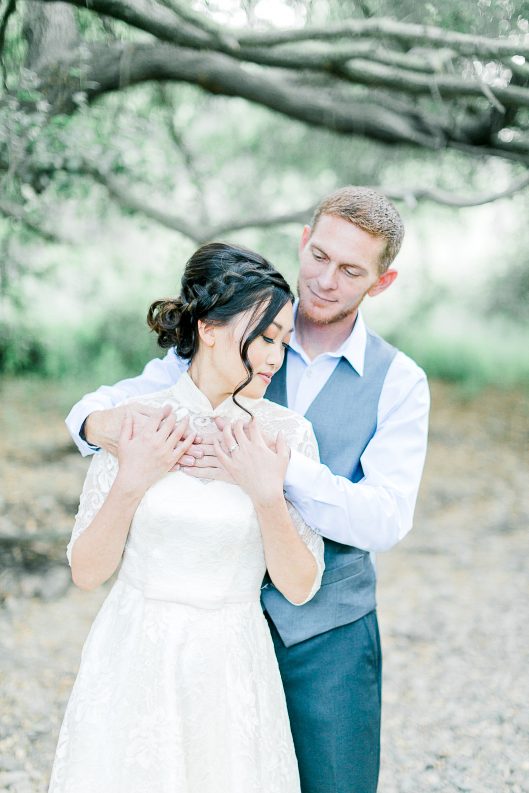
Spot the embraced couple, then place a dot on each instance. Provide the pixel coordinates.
(238, 649)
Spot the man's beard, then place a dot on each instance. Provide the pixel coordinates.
(350, 311)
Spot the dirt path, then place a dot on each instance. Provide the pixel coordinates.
(453, 602)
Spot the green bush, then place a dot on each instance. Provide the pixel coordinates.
(474, 355)
(110, 348)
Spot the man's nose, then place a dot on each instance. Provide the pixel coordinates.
(327, 278)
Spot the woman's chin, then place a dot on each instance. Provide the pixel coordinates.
(256, 389)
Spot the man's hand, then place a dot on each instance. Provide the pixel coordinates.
(201, 460)
(103, 427)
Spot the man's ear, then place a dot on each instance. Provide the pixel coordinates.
(385, 281)
(305, 236)
(206, 333)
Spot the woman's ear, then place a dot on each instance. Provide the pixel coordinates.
(206, 333)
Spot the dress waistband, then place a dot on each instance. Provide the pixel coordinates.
(171, 594)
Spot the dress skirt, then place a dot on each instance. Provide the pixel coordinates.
(174, 698)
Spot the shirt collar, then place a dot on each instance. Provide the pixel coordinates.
(352, 349)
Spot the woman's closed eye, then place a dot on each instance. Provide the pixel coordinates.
(269, 340)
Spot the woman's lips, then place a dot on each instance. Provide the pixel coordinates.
(265, 377)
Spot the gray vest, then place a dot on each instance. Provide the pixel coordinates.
(344, 418)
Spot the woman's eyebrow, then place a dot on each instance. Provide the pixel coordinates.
(280, 327)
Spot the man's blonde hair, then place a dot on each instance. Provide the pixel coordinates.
(370, 211)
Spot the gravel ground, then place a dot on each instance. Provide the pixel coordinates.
(453, 604)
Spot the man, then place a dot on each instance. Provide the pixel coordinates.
(368, 404)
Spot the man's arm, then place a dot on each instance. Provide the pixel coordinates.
(159, 373)
(377, 512)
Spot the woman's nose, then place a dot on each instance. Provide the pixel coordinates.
(275, 356)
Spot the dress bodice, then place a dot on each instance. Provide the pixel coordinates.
(192, 540)
(195, 543)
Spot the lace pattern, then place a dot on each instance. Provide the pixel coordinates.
(178, 687)
(186, 400)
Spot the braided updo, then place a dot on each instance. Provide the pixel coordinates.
(219, 282)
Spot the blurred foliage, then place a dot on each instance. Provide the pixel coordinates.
(114, 347)
(508, 294)
(76, 306)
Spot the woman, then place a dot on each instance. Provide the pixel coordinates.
(178, 689)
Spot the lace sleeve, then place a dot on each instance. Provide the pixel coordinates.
(300, 436)
(99, 479)
(304, 441)
(315, 545)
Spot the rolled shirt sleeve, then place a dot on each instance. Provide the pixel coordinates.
(158, 374)
(376, 512)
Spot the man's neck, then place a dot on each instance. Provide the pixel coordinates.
(317, 339)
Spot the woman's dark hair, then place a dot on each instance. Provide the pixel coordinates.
(219, 282)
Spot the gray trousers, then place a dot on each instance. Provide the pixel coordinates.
(333, 690)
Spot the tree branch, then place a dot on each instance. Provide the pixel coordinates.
(8, 11)
(102, 71)
(4, 19)
(380, 27)
(18, 214)
(160, 21)
(200, 233)
(376, 75)
(213, 62)
(164, 23)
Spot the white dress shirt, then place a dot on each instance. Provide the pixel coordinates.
(377, 512)
(373, 514)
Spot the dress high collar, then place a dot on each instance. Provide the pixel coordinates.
(190, 396)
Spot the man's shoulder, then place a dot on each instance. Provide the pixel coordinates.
(408, 367)
(400, 362)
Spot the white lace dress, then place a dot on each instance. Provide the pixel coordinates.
(178, 689)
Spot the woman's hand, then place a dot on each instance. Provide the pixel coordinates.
(148, 452)
(256, 466)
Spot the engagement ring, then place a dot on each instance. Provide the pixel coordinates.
(232, 448)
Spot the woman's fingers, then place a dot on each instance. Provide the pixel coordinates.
(222, 456)
(182, 428)
(153, 423)
(239, 433)
(182, 447)
(257, 435)
(228, 439)
(167, 426)
(175, 431)
(282, 448)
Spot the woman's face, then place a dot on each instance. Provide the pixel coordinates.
(265, 353)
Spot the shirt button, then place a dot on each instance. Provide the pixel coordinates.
(309, 372)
